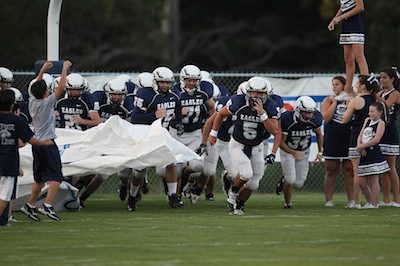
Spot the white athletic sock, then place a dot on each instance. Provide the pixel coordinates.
(171, 188)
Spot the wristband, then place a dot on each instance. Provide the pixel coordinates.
(213, 133)
(263, 117)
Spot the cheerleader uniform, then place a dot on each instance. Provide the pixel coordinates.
(352, 27)
(356, 125)
(390, 141)
(335, 130)
(373, 163)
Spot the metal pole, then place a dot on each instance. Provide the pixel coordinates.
(53, 28)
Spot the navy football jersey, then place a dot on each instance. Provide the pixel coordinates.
(298, 132)
(66, 108)
(248, 128)
(196, 104)
(147, 101)
(108, 110)
(226, 129)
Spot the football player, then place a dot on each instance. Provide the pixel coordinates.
(197, 104)
(77, 110)
(151, 104)
(297, 128)
(254, 113)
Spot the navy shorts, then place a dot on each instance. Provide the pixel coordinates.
(46, 163)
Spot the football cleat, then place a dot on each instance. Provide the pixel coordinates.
(131, 205)
(174, 201)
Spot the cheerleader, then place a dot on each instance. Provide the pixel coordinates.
(351, 37)
(372, 162)
(390, 82)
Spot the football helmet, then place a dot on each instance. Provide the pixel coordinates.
(205, 75)
(162, 74)
(242, 88)
(144, 80)
(305, 108)
(6, 75)
(270, 90)
(77, 82)
(118, 88)
(259, 85)
(190, 72)
(18, 94)
(125, 78)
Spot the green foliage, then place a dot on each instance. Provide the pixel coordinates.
(222, 35)
(104, 233)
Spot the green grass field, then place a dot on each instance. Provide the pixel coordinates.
(104, 233)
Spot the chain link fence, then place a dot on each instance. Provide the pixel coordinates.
(314, 182)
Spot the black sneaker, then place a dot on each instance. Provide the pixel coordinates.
(49, 212)
(123, 190)
(279, 186)
(174, 201)
(30, 212)
(210, 197)
(131, 205)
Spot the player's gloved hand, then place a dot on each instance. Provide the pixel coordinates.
(179, 129)
(201, 150)
(270, 159)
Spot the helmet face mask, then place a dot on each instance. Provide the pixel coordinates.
(163, 77)
(305, 108)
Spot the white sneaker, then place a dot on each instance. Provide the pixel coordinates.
(349, 204)
(369, 206)
(383, 204)
(393, 204)
(238, 212)
(355, 206)
(329, 203)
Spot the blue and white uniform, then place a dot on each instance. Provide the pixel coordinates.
(337, 130)
(147, 101)
(108, 110)
(66, 108)
(390, 141)
(298, 137)
(373, 163)
(356, 125)
(352, 27)
(246, 145)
